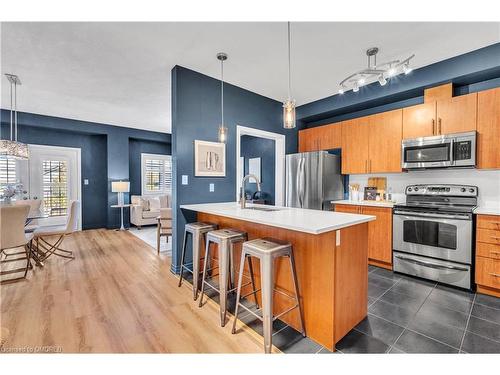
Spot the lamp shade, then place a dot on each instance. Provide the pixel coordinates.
(120, 186)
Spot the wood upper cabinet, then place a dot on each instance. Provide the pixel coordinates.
(419, 121)
(379, 234)
(331, 136)
(488, 128)
(385, 136)
(355, 134)
(308, 140)
(325, 137)
(457, 114)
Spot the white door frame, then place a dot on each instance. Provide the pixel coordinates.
(78, 177)
(279, 175)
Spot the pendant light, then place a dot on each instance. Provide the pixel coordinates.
(12, 148)
(221, 56)
(289, 104)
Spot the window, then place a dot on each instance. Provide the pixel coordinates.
(156, 174)
(55, 187)
(7, 173)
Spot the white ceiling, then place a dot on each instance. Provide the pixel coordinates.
(119, 73)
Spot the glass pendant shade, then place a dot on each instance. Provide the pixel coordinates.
(289, 114)
(13, 149)
(222, 134)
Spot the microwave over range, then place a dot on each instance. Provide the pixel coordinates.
(443, 151)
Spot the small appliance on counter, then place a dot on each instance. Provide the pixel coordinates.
(433, 233)
(313, 179)
(441, 151)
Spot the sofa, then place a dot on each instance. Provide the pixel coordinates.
(145, 209)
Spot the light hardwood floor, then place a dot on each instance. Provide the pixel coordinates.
(116, 296)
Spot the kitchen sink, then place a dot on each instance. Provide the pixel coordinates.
(263, 208)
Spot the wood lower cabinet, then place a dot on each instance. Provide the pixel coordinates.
(419, 121)
(355, 145)
(379, 232)
(488, 254)
(488, 129)
(384, 145)
(457, 114)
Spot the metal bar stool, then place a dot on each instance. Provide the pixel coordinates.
(225, 239)
(267, 250)
(197, 230)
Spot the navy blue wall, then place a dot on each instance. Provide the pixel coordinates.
(196, 115)
(470, 72)
(136, 148)
(105, 156)
(255, 147)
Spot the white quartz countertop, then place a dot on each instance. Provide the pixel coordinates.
(493, 209)
(365, 203)
(298, 219)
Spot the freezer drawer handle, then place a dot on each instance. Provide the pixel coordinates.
(430, 265)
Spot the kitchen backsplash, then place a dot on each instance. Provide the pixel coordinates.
(487, 181)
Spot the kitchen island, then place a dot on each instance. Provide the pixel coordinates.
(330, 250)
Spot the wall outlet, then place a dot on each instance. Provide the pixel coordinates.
(85, 181)
(211, 188)
(184, 179)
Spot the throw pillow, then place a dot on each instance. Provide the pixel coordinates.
(154, 204)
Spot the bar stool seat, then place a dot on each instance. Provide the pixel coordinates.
(267, 250)
(225, 240)
(198, 231)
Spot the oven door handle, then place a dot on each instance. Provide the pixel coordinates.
(430, 265)
(439, 216)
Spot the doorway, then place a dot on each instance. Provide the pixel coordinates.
(245, 136)
(54, 175)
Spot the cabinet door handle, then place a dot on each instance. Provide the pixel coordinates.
(495, 237)
(366, 165)
(494, 274)
(495, 252)
(433, 127)
(439, 125)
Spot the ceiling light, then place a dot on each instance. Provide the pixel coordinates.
(391, 72)
(11, 148)
(222, 133)
(375, 71)
(289, 104)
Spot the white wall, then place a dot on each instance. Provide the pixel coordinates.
(488, 182)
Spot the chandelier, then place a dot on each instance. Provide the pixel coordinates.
(11, 148)
(375, 72)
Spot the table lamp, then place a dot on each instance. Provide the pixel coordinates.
(120, 187)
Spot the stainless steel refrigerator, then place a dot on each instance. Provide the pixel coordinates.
(313, 179)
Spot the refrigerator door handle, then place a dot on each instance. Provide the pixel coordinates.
(297, 182)
(302, 190)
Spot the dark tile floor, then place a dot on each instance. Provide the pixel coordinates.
(407, 315)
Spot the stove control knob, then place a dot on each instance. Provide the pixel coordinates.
(462, 190)
(416, 188)
(471, 190)
(410, 189)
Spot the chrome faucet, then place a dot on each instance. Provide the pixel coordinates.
(243, 200)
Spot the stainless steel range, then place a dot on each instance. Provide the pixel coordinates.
(433, 233)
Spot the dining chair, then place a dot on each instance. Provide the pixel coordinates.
(164, 227)
(44, 247)
(35, 205)
(12, 221)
